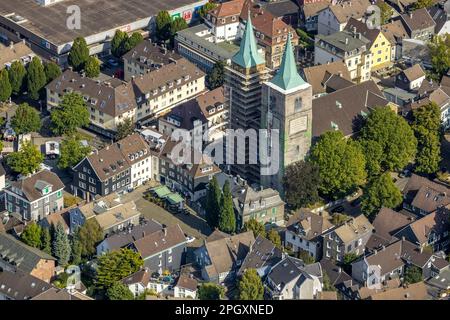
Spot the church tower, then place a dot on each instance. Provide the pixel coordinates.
(286, 107)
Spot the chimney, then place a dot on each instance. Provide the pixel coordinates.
(403, 238)
(410, 15)
(375, 251)
(11, 45)
(346, 40)
(165, 231)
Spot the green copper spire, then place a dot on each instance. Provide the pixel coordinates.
(248, 55)
(287, 76)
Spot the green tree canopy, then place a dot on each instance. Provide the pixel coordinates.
(440, 54)
(419, 4)
(5, 86)
(250, 286)
(36, 79)
(413, 274)
(92, 67)
(118, 43)
(393, 134)
(163, 24)
(125, 128)
(119, 291)
(26, 119)
(205, 8)
(116, 265)
(227, 218)
(31, 235)
(216, 76)
(71, 114)
(17, 74)
(327, 285)
(380, 192)
(386, 11)
(89, 235)
(79, 54)
(255, 226)
(132, 41)
(210, 291)
(213, 195)
(275, 238)
(27, 160)
(76, 258)
(46, 241)
(373, 152)
(349, 258)
(72, 152)
(305, 257)
(427, 128)
(301, 184)
(341, 164)
(52, 71)
(176, 25)
(61, 245)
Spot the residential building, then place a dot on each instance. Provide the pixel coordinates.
(415, 291)
(263, 255)
(65, 294)
(441, 97)
(309, 14)
(109, 102)
(119, 167)
(162, 250)
(15, 52)
(271, 32)
(198, 45)
(339, 279)
(286, 10)
(292, 279)
(304, 232)
(223, 21)
(20, 285)
(441, 17)
(110, 212)
(35, 197)
(146, 57)
(322, 77)
(410, 78)
(127, 236)
(419, 24)
(186, 287)
(55, 219)
(221, 255)
(401, 6)
(18, 257)
(206, 112)
(2, 178)
(431, 231)
(350, 237)
(351, 47)
(334, 17)
(395, 32)
(264, 205)
(164, 88)
(346, 109)
(141, 281)
(391, 262)
(383, 53)
(286, 110)
(242, 90)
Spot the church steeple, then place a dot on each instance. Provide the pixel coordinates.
(248, 55)
(287, 76)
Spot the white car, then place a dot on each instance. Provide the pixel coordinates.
(190, 239)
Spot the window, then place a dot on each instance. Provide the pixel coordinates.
(106, 190)
(298, 104)
(169, 259)
(59, 194)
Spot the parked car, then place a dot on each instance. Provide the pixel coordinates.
(338, 209)
(356, 202)
(112, 63)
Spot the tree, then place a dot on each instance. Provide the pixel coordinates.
(250, 286)
(5, 86)
(215, 77)
(327, 285)
(349, 258)
(76, 251)
(339, 218)
(301, 184)
(132, 42)
(275, 238)
(423, 4)
(125, 128)
(206, 8)
(227, 218)
(26, 119)
(119, 291)
(17, 74)
(427, 128)
(255, 226)
(26, 161)
(380, 192)
(413, 274)
(61, 245)
(341, 164)
(79, 54)
(92, 67)
(118, 43)
(72, 152)
(393, 134)
(373, 152)
(176, 25)
(163, 24)
(31, 235)
(71, 114)
(52, 71)
(213, 195)
(46, 241)
(386, 11)
(305, 257)
(116, 265)
(210, 291)
(440, 54)
(89, 234)
(36, 79)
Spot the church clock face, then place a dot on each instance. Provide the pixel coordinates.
(298, 125)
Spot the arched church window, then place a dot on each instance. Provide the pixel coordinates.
(298, 104)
